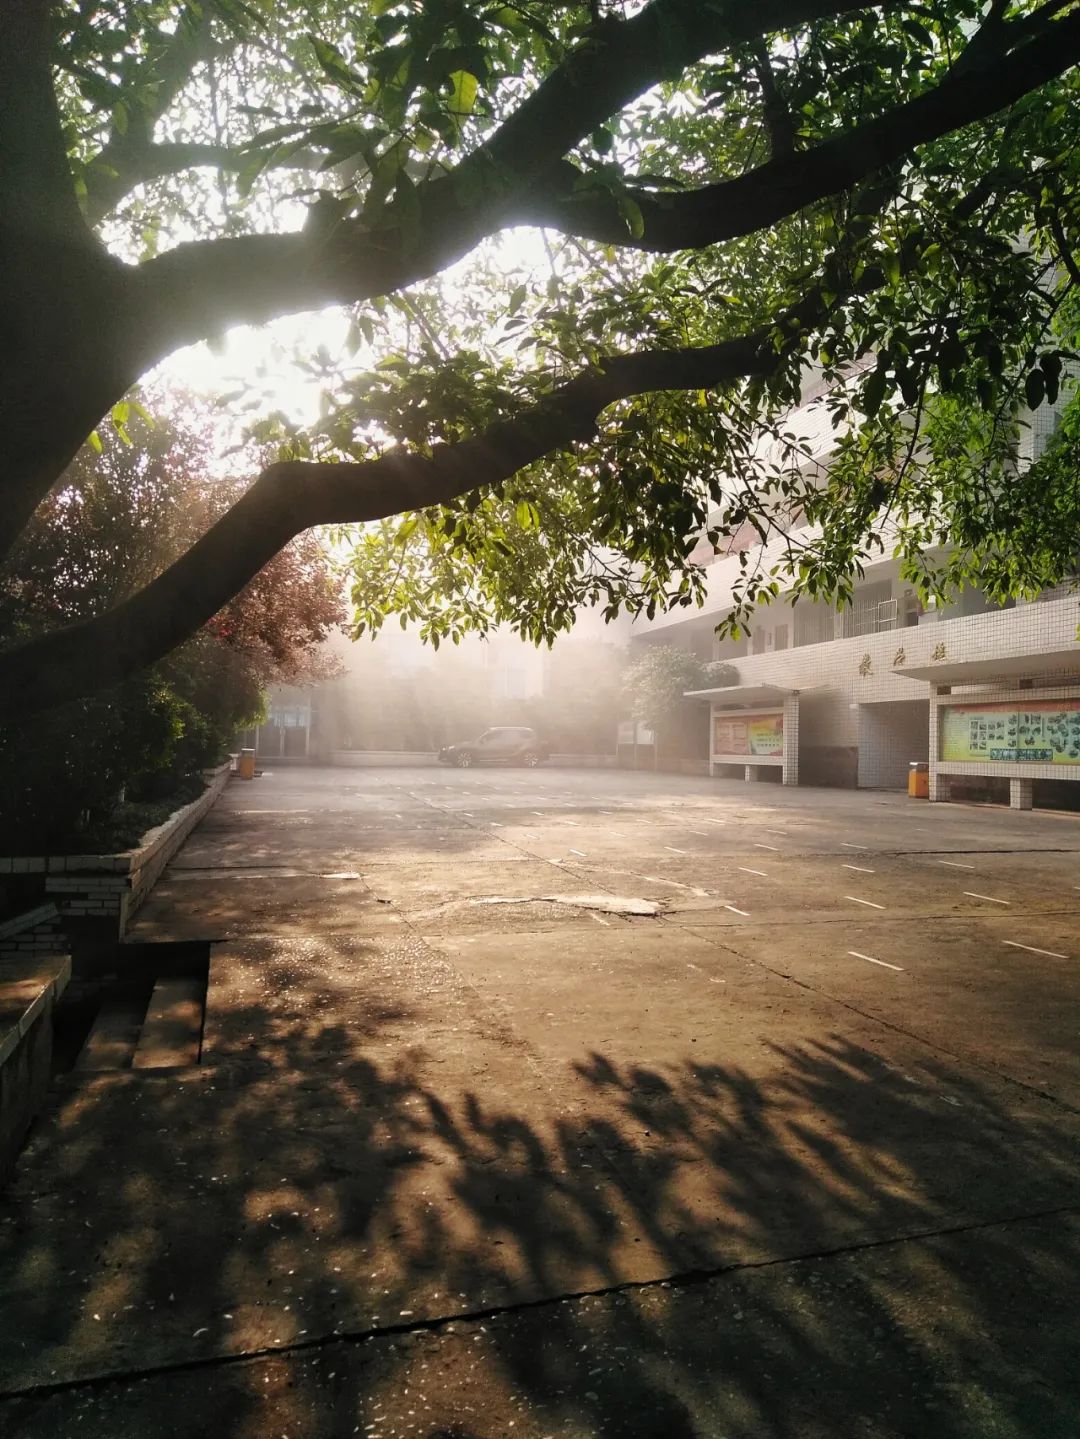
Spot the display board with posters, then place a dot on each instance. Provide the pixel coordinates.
(759, 736)
(1038, 731)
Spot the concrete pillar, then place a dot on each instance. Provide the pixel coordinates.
(1020, 793)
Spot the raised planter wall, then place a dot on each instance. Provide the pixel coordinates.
(102, 892)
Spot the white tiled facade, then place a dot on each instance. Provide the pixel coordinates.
(861, 722)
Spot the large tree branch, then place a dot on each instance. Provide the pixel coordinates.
(294, 496)
(37, 198)
(200, 288)
(124, 161)
(789, 182)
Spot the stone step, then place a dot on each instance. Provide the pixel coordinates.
(115, 1030)
(172, 1031)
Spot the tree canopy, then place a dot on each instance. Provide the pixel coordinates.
(116, 518)
(730, 202)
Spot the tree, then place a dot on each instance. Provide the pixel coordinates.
(116, 519)
(657, 682)
(731, 193)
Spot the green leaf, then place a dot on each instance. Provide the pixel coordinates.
(333, 63)
(630, 211)
(1034, 389)
(874, 391)
(527, 515)
(93, 439)
(463, 94)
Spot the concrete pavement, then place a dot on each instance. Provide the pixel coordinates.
(473, 1152)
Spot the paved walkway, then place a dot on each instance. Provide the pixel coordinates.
(573, 1105)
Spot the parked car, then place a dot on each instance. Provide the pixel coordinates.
(504, 745)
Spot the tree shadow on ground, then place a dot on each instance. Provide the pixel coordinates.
(293, 1244)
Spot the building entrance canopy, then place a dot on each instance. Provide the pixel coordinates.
(742, 696)
(1052, 666)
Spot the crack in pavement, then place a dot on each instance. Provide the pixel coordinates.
(677, 1279)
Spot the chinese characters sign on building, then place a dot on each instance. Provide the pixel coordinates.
(1043, 731)
(749, 734)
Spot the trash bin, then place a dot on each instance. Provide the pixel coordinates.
(918, 780)
(247, 764)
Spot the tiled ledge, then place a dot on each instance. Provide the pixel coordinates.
(127, 860)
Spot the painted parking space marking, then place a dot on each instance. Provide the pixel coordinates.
(674, 850)
(871, 960)
(618, 832)
(744, 912)
(856, 900)
(709, 820)
(845, 844)
(955, 864)
(988, 897)
(1050, 953)
(703, 832)
(580, 852)
(859, 868)
(759, 845)
(752, 871)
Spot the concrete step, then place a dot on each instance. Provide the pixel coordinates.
(172, 1031)
(115, 1031)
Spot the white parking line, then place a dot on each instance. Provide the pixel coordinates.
(845, 845)
(859, 868)
(988, 897)
(955, 864)
(759, 845)
(703, 832)
(580, 852)
(599, 920)
(856, 900)
(1050, 953)
(674, 850)
(752, 871)
(574, 822)
(744, 912)
(871, 960)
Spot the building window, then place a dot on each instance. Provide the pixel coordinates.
(814, 623)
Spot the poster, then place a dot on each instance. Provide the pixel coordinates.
(749, 734)
(1040, 731)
